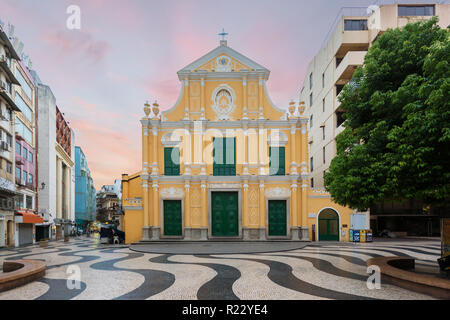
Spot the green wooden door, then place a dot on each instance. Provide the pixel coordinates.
(172, 218)
(225, 214)
(328, 226)
(277, 218)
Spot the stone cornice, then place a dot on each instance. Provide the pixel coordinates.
(60, 150)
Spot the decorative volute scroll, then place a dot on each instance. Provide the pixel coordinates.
(171, 139)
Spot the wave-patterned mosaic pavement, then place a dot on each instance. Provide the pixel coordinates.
(318, 271)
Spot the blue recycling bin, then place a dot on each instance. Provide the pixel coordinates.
(356, 236)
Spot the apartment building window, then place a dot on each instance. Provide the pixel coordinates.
(24, 84)
(29, 202)
(30, 156)
(24, 176)
(323, 80)
(323, 132)
(224, 156)
(8, 167)
(18, 148)
(26, 110)
(9, 139)
(18, 173)
(339, 118)
(30, 178)
(172, 161)
(310, 99)
(312, 182)
(323, 105)
(323, 152)
(407, 11)
(339, 88)
(338, 61)
(311, 164)
(277, 161)
(311, 121)
(355, 25)
(23, 130)
(310, 80)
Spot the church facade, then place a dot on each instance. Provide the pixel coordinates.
(226, 163)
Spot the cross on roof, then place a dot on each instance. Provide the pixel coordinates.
(223, 34)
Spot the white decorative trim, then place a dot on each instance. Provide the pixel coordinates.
(172, 193)
(171, 139)
(277, 192)
(223, 113)
(223, 67)
(277, 139)
(224, 186)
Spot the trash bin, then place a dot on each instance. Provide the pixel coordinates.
(356, 235)
(369, 237)
(362, 235)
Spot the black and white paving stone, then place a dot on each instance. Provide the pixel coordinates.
(316, 271)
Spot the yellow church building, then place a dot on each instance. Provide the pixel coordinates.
(226, 163)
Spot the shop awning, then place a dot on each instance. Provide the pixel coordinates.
(28, 217)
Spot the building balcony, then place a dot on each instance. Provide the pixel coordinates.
(7, 97)
(6, 68)
(344, 72)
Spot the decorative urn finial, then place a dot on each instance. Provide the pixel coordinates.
(147, 109)
(155, 109)
(301, 107)
(292, 108)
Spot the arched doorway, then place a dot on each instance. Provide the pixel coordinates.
(328, 225)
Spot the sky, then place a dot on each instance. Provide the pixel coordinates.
(129, 51)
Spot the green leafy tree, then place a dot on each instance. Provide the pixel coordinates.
(396, 142)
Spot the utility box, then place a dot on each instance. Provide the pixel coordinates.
(362, 235)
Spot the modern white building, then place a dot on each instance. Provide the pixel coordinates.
(344, 49)
(56, 173)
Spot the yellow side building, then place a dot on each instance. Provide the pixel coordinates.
(226, 163)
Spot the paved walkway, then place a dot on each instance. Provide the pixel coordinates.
(217, 247)
(324, 271)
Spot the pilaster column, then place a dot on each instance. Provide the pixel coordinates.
(67, 199)
(187, 149)
(146, 210)
(145, 153)
(204, 200)
(155, 164)
(187, 99)
(156, 218)
(244, 98)
(187, 203)
(246, 146)
(304, 178)
(260, 150)
(202, 98)
(59, 188)
(293, 151)
(262, 211)
(260, 97)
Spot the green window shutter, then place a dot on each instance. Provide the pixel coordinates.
(224, 156)
(277, 161)
(172, 161)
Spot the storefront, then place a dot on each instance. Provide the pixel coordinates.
(25, 227)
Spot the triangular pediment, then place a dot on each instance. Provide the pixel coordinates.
(212, 62)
